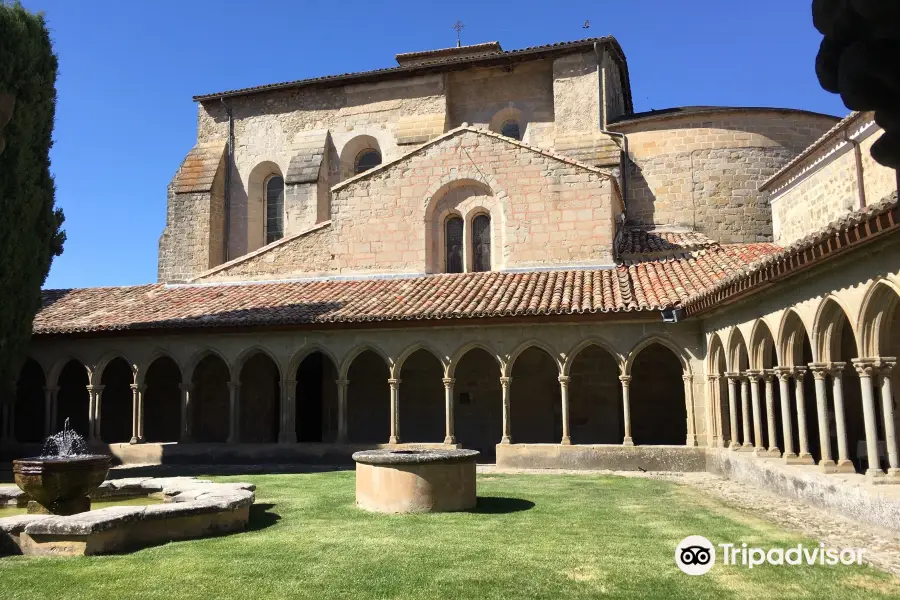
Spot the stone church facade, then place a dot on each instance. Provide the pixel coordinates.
(491, 249)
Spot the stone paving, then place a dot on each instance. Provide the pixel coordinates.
(882, 546)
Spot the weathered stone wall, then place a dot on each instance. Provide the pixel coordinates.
(825, 185)
(613, 93)
(704, 170)
(576, 93)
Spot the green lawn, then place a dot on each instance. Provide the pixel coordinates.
(583, 537)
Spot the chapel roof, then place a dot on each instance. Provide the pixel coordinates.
(685, 111)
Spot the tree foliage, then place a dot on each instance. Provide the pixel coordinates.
(30, 234)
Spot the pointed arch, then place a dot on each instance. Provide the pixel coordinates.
(300, 355)
(59, 365)
(162, 378)
(533, 343)
(791, 338)
(586, 343)
(157, 353)
(248, 353)
(659, 408)
(356, 351)
(657, 338)
(715, 354)
(460, 352)
(763, 353)
(401, 358)
(876, 317)
(107, 358)
(737, 354)
(828, 330)
(259, 374)
(191, 364)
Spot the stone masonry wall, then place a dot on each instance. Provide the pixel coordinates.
(192, 240)
(614, 95)
(703, 171)
(576, 93)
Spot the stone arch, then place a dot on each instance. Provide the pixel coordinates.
(315, 370)
(465, 348)
(352, 149)
(715, 354)
(658, 408)
(592, 341)
(368, 396)
(73, 400)
(356, 351)
(300, 355)
(191, 365)
(156, 354)
(116, 409)
(107, 358)
(656, 338)
(595, 393)
(260, 396)
(791, 339)
(829, 331)
(763, 352)
(251, 351)
(877, 318)
(534, 394)
(211, 376)
(738, 355)
(60, 364)
(511, 359)
(421, 399)
(509, 113)
(717, 365)
(398, 362)
(30, 403)
(162, 379)
(256, 202)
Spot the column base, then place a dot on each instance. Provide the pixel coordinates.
(760, 452)
(566, 441)
(450, 439)
(133, 440)
(734, 446)
(287, 438)
(506, 440)
(747, 447)
(788, 456)
(827, 466)
(875, 476)
(773, 452)
(803, 459)
(845, 466)
(628, 442)
(394, 439)
(691, 440)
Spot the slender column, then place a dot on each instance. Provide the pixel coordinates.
(187, 392)
(820, 371)
(137, 413)
(504, 383)
(450, 436)
(50, 394)
(866, 369)
(342, 409)
(689, 407)
(287, 433)
(712, 390)
(395, 411)
(804, 457)
(753, 377)
(564, 397)
(886, 365)
(769, 378)
(93, 433)
(787, 432)
(732, 409)
(626, 408)
(234, 412)
(836, 370)
(746, 443)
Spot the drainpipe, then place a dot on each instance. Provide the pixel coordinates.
(228, 163)
(860, 185)
(623, 158)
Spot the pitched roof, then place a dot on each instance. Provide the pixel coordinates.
(683, 111)
(647, 287)
(639, 242)
(198, 170)
(492, 58)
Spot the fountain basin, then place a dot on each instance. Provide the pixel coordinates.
(414, 481)
(60, 485)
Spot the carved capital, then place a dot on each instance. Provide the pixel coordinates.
(505, 381)
(865, 366)
(687, 377)
(342, 382)
(753, 376)
(139, 387)
(625, 379)
(97, 388)
(732, 376)
(800, 372)
(885, 365)
(448, 381)
(564, 380)
(836, 369)
(394, 383)
(783, 373)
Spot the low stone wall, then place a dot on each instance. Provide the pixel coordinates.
(615, 457)
(192, 508)
(851, 495)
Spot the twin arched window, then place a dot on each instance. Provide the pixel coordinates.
(274, 208)
(480, 246)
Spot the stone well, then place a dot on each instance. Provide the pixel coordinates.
(410, 481)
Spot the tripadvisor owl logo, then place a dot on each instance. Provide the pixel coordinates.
(695, 555)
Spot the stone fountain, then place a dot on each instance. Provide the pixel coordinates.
(61, 478)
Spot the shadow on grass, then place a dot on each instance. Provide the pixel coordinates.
(261, 518)
(492, 505)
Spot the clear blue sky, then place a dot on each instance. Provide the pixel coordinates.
(127, 71)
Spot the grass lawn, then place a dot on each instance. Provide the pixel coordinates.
(583, 537)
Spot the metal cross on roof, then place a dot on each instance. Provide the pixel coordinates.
(458, 26)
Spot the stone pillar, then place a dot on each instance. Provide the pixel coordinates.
(137, 413)
(95, 397)
(804, 457)
(395, 411)
(626, 408)
(753, 377)
(507, 437)
(287, 432)
(732, 409)
(689, 406)
(746, 444)
(450, 424)
(836, 370)
(787, 432)
(712, 387)
(50, 401)
(234, 412)
(187, 392)
(866, 369)
(820, 371)
(342, 410)
(769, 378)
(564, 397)
(886, 365)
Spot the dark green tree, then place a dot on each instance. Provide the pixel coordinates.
(30, 234)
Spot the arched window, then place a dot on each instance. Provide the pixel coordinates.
(511, 129)
(481, 243)
(274, 208)
(366, 159)
(454, 239)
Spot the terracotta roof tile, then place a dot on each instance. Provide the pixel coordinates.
(634, 240)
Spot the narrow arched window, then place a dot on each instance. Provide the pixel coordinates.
(366, 159)
(481, 243)
(274, 208)
(454, 240)
(511, 130)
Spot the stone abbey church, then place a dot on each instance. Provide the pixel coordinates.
(489, 248)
